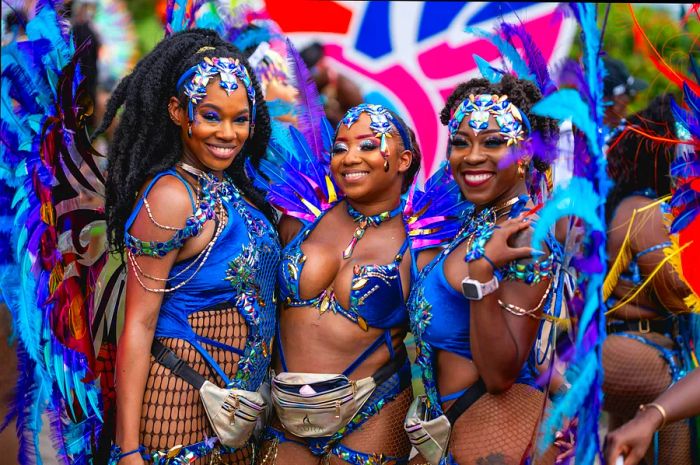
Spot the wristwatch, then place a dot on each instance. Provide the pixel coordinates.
(475, 290)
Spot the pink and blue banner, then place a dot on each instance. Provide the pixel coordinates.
(410, 55)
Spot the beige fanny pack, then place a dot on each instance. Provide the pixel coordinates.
(233, 413)
(318, 405)
(431, 437)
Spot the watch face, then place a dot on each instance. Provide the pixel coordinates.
(470, 290)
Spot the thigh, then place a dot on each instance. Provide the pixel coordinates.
(172, 412)
(289, 452)
(497, 429)
(674, 445)
(634, 373)
(383, 432)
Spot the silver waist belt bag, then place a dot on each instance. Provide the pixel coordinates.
(232, 413)
(318, 405)
(431, 437)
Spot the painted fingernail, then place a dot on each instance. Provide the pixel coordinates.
(538, 253)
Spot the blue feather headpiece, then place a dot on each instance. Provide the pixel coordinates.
(381, 121)
(509, 118)
(194, 81)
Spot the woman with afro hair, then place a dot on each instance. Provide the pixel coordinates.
(478, 304)
(200, 246)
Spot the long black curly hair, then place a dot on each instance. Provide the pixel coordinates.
(636, 162)
(522, 93)
(147, 141)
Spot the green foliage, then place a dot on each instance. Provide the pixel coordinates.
(149, 29)
(673, 42)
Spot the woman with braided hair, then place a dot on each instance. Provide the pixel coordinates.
(646, 348)
(478, 304)
(200, 246)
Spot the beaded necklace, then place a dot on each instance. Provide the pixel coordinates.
(364, 222)
(480, 226)
(214, 193)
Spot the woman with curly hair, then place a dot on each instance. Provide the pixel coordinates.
(201, 251)
(478, 304)
(643, 353)
(344, 279)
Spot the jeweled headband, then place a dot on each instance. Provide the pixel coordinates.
(509, 118)
(380, 123)
(194, 81)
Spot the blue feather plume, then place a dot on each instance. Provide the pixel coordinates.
(507, 51)
(309, 109)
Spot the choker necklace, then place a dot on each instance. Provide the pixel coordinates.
(363, 222)
(505, 207)
(215, 187)
(196, 171)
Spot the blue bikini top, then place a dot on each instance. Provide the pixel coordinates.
(239, 271)
(376, 293)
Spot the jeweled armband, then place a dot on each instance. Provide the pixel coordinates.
(530, 273)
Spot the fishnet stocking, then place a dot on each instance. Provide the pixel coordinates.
(634, 374)
(172, 412)
(382, 433)
(497, 429)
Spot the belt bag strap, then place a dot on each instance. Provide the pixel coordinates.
(177, 366)
(391, 367)
(232, 413)
(464, 401)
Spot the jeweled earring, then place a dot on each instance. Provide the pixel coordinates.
(521, 170)
(189, 128)
(386, 165)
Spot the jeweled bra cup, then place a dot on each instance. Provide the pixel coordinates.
(371, 287)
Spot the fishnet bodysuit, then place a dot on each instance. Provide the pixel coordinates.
(382, 433)
(169, 401)
(497, 429)
(634, 374)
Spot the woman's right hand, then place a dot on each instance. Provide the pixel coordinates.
(632, 439)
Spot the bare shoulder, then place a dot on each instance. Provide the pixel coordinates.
(169, 201)
(648, 228)
(524, 239)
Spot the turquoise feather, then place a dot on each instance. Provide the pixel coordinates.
(489, 72)
(567, 103)
(578, 199)
(506, 50)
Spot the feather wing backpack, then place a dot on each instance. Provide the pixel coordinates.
(57, 279)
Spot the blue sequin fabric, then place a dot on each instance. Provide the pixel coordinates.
(439, 314)
(240, 270)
